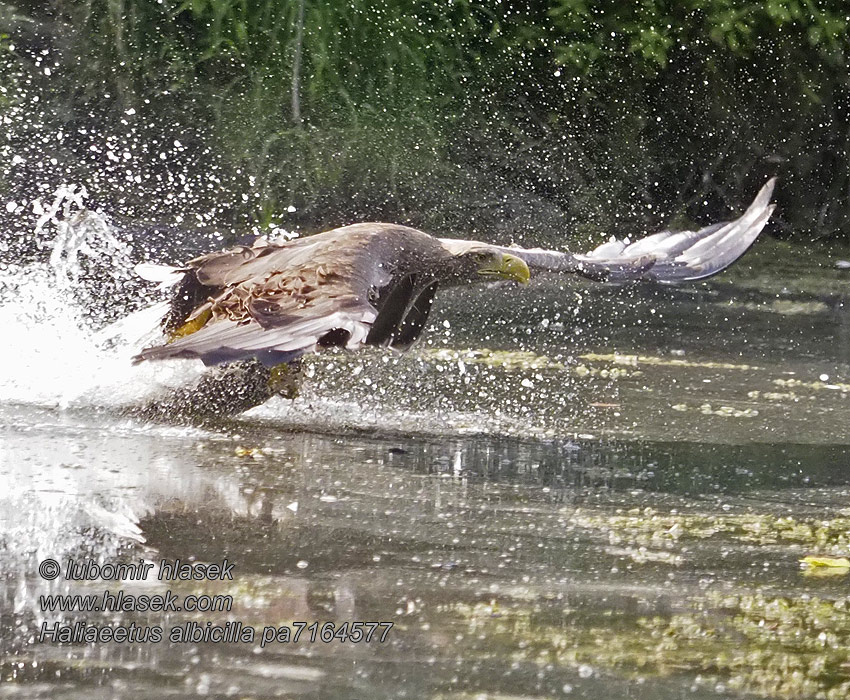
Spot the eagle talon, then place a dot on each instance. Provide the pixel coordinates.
(284, 380)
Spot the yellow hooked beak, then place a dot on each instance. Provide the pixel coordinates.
(509, 267)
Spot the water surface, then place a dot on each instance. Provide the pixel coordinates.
(565, 491)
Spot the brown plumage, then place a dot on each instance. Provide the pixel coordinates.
(276, 301)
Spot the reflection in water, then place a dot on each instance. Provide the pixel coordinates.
(488, 554)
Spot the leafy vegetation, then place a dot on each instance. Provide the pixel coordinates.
(543, 117)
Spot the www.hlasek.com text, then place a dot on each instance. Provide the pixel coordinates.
(119, 601)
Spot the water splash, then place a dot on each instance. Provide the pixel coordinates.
(56, 351)
(80, 234)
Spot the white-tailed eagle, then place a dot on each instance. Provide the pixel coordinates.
(374, 283)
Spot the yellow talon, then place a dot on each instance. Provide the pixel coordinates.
(191, 326)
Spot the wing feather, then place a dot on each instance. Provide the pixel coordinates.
(694, 255)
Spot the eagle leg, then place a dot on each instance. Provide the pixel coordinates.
(224, 390)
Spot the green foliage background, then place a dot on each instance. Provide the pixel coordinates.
(515, 119)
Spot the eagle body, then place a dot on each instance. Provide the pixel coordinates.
(361, 284)
(374, 284)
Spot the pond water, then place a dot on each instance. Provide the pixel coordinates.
(565, 491)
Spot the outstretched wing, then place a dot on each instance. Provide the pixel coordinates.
(665, 257)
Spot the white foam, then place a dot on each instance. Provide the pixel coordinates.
(50, 354)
